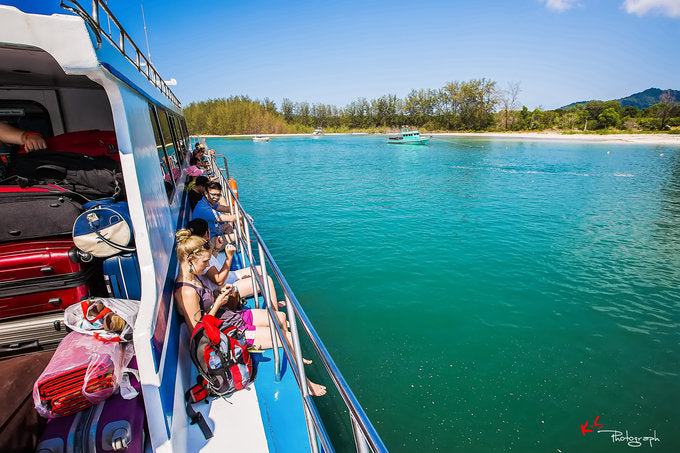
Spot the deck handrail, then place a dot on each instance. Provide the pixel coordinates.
(140, 62)
(365, 436)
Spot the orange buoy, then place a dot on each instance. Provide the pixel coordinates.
(234, 188)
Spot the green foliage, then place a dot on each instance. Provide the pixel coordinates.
(475, 105)
(234, 115)
(609, 118)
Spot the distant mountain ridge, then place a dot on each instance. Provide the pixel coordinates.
(641, 100)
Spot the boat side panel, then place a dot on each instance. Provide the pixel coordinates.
(155, 221)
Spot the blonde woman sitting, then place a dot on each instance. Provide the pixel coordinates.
(220, 274)
(194, 299)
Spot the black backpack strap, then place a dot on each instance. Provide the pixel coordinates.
(195, 394)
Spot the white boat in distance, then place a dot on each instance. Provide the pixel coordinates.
(260, 139)
(317, 132)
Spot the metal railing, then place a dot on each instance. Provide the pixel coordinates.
(122, 42)
(366, 437)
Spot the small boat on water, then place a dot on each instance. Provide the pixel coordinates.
(407, 137)
(318, 132)
(260, 139)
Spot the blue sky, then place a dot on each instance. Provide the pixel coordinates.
(336, 51)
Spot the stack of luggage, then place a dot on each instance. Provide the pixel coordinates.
(41, 270)
(51, 260)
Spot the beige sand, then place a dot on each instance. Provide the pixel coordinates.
(640, 139)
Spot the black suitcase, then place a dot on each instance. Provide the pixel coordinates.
(94, 177)
(36, 212)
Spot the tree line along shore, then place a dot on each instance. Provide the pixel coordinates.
(477, 105)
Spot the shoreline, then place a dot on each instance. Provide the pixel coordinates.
(639, 139)
(634, 139)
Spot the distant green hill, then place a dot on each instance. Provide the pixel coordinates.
(640, 100)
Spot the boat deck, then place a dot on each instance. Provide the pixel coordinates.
(267, 416)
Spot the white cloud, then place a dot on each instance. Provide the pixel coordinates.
(560, 5)
(669, 8)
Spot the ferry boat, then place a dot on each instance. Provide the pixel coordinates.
(260, 139)
(72, 68)
(407, 137)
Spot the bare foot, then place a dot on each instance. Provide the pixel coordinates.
(282, 303)
(306, 361)
(316, 389)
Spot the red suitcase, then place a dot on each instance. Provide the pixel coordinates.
(39, 258)
(41, 276)
(92, 143)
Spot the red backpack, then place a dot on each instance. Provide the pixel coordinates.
(220, 353)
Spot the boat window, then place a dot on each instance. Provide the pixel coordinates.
(186, 133)
(162, 156)
(180, 137)
(169, 141)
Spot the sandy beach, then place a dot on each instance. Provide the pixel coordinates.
(633, 139)
(636, 139)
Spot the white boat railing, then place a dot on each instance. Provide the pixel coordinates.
(366, 438)
(123, 42)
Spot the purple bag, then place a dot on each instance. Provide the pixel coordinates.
(115, 424)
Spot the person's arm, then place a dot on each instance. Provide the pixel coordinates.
(222, 206)
(30, 140)
(219, 276)
(226, 217)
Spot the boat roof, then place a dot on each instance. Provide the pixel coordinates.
(115, 50)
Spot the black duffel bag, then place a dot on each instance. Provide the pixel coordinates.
(36, 212)
(93, 177)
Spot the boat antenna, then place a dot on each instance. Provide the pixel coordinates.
(148, 52)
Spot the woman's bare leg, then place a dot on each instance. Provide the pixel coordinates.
(263, 340)
(261, 319)
(245, 284)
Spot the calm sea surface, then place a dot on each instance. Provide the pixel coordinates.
(483, 295)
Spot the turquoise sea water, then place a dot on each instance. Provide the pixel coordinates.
(483, 295)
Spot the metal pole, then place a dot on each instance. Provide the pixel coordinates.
(148, 51)
(297, 350)
(359, 439)
(272, 314)
(95, 11)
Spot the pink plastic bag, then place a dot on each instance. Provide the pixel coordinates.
(83, 371)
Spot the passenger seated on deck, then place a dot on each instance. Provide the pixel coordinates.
(197, 191)
(206, 209)
(218, 272)
(193, 172)
(194, 299)
(198, 157)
